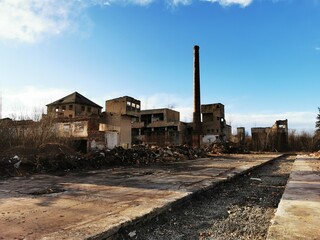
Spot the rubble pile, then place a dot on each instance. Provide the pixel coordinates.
(315, 154)
(21, 161)
(142, 154)
(224, 147)
(46, 158)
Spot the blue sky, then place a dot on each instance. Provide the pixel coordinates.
(260, 58)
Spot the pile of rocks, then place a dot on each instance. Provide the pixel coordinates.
(142, 154)
(57, 157)
(46, 158)
(225, 147)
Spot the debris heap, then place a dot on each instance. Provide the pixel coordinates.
(224, 147)
(21, 161)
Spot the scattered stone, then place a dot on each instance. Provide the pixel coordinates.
(17, 164)
(132, 234)
(256, 179)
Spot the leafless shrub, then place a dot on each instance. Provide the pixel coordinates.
(23, 131)
(293, 141)
(6, 134)
(303, 141)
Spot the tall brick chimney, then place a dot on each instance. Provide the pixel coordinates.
(196, 95)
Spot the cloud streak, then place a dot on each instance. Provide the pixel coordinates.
(176, 3)
(123, 2)
(225, 3)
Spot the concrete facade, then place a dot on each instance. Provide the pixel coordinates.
(121, 113)
(241, 135)
(159, 127)
(73, 105)
(83, 131)
(123, 123)
(77, 118)
(214, 123)
(273, 138)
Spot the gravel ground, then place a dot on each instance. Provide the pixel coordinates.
(238, 209)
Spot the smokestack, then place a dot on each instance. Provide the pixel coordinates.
(196, 94)
(0, 105)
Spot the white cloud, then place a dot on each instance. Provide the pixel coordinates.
(30, 20)
(242, 3)
(179, 2)
(28, 101)
(164, 100)
(141, 2)
(317, 48)
(124, 2)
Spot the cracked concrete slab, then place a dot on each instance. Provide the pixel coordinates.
(298, 213)
(95, 204)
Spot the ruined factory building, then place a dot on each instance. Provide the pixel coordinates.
(124, 123)
(78, 119)
(73, 105)
(273, 138)
(213, 123)
(120, 114)
(159, 127)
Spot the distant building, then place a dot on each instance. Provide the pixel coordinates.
(241, 135)
(121, 113)
(213, 123)
(124, 123)
(84, 132)
(78, 119)
(73, 105)
(159, 127)
(273, 138)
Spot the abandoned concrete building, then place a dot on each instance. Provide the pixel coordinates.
(273, 138)
(214, 124)
(84, 132)
(241, 135)
(124, 123)
(163, 126)
(121, 113)
(77, 118)
(160, 127)
(73, 105)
